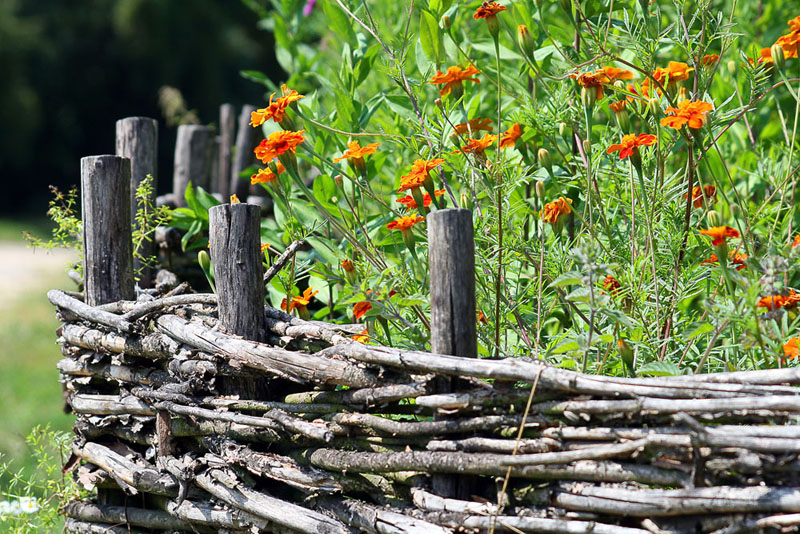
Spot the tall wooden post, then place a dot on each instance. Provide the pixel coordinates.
(227, 132)
(107, 245)
(137, 139)
(235, 242)
(451, 257)
(192, 160)
(246, 140)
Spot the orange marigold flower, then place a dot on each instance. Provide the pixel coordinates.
(590, 80)
(773, 302)
(360, 309)
(265, 176)
(719, 234)
(697, 195)
(363, 337)
(356, 151)
(405, 223)
(676, 72)
(791, 349)
(277, 143)
(691, 112)
(419, 173)
(794, 24)
(453, 78)
(488, 9)
(474, 125)
(300, 301)
(765, 58)
(511, 135)
(736, 258)
(481, 317)
(409, 202)
(265, 247)
(790, 43)
(275, 110)
(630, 143)
(796, 241)
(612, 74)
(709, 59)
(348, 266)
(478, 146)
(552, 211)
(619, 106)
(611, 284)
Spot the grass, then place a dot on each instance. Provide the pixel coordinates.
(29, 387)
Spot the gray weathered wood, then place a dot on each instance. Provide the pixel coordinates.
(227, 133)
(234, 236)
(451, 257)
(192, 160)
(137, 139)
(106, 215)
(451, 254)
(246, 140)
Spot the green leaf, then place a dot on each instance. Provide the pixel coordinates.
(191, 200)
(567, 279)
(258, 77)
(324, 249)
(206, 199)
(699, 330)
(430, 37)
(194, 229)
(338, 21)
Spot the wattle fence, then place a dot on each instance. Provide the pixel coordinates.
(214, 413)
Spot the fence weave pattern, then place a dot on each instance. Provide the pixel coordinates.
(342, 437)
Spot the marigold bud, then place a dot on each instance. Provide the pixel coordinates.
(713, 218)
(338, 180)
(438, 103)
(588, 97)
(731, 67)
(619, 84)
(654, 107)
(204, 260)
(564, 130)
(350, 271)
(545, 160)
(587, 146)
(539, 187)
(465, 201)
(446, 22)
(525, 41)
(627, 355)
(778, 56)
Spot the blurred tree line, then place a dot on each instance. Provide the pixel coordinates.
(69, 70)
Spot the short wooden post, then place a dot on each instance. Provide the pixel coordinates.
(227, 132)
(192, 160)
(451, 257)
(107, 245)
(246, 140)
(235, 242)
(137, 139)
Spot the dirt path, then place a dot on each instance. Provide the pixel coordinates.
(23, 270)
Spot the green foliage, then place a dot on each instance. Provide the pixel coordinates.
(619, 279)
(63, 212)
(148, 217)
(34, 499)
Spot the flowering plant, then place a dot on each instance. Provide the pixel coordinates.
(607, 150)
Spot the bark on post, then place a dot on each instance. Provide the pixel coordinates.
(246, 140)
(137, 139)
(234, 235)
(106, 215)
(192, 160)
(227, 131)
(451, 257)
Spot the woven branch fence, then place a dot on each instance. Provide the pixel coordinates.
(213, 413)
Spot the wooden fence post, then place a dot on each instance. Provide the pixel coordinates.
(192, 160)
(106, 215)
(137, 139)
(227, 131)
(235, 242)
(451, 258)
(246, 138)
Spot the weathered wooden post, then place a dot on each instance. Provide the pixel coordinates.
(107, 241)
(227, 131)
(235, 243)
(246, 139)
(192, 160)
(106, 215)
(451, 257)
(137, 139)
